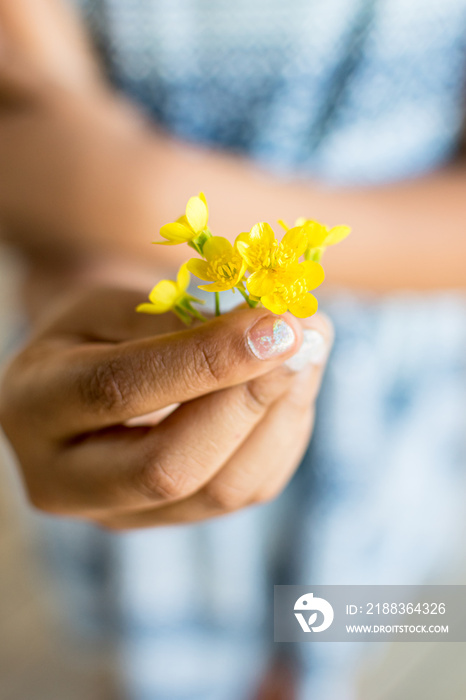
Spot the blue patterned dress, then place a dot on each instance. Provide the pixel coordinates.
(350, 91)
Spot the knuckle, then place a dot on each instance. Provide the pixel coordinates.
(208, 366)
(109, 387)
(161, 481)
(257, 396)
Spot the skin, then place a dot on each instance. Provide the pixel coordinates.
(86, 180)
(237, 432)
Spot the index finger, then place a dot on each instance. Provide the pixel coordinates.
(75, 389)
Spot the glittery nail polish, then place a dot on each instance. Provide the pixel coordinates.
(269, 337)
(313, 351)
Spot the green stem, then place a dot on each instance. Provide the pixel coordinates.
(199, 241)
(314, 254)
(197, 314)
(190, 298)
(185, 307)
(182, 315)
(245, 295)
(195, 247)
(217, 303)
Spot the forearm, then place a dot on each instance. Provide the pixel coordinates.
(83, 180)
(406, 235)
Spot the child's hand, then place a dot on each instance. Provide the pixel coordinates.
(239, 432)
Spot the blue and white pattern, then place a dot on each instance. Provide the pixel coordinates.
(353, 91)
(348, 90)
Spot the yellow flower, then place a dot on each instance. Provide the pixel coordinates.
(189, 226)
(319, 237)
(265, 256)
(291, 289)
(223, 265)
(167, 294)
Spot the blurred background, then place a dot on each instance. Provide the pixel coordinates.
(41, 658)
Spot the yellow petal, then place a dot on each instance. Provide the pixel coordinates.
(183, 278)
(200, 268)
(177, 233)
(274, 303)
(149, 309)
(316, 233)
(244, 237)
(261, 283)
(217, 286)
(247, 253)
(164, 295)
(313, 272)
(256, 247)
(202, 196)
(217, 246)
(301, 221)
(197, 213)
(262, 233)
(304, 307)
(337, 234)
(242, 271)
(295, 240)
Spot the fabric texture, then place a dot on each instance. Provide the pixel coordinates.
(348, 90)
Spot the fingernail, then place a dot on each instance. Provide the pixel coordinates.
(313, 351)
(269, 337)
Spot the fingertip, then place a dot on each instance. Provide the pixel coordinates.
(322, 323)
(271, 336)
(317, 340)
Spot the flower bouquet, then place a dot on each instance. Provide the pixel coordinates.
(278, 275)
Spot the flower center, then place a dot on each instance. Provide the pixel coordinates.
(262, 256)
(283, 256)
(292, 292)
(224, 268)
